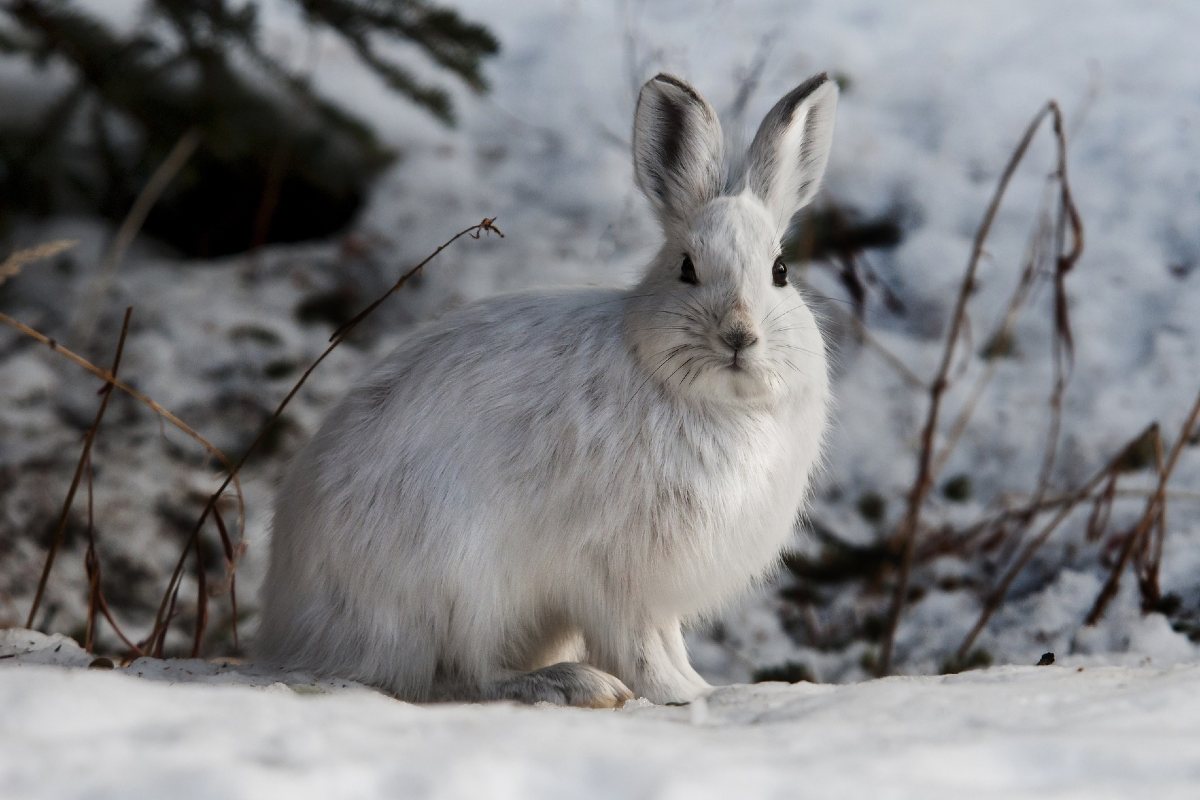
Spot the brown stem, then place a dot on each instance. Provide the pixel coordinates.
(231, 557)
(91, 565)
(84, 455)
(1015, 303)
(1155, 506)
(1064, 343)
(1151, 556)
(17, 261)
(145, 400)
(201, 599)
(997, 595)
(143, 204)
(157, 638)
(907, 532)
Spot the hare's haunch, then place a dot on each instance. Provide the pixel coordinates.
(528, 498)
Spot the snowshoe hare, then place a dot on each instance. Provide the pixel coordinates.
(530, 495)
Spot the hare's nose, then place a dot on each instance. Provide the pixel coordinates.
(738, 338)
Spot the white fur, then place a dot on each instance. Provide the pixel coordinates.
(566, 476)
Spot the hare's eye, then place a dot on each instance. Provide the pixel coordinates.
(779, 272)
(687, 272)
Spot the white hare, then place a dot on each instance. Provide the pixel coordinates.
(530, 495)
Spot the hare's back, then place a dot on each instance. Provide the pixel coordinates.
(473, 391)
(499, 353)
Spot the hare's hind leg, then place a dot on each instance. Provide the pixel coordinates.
(569, 683)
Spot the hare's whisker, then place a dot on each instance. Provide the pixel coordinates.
(763, 321)
(671, 353)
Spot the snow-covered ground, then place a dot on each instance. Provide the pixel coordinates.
(1050, 732)
(936, 95)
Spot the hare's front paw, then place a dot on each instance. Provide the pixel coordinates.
(680, 694)
(565, 684)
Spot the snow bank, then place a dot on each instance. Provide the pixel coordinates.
(936, 97)
(1003, 732)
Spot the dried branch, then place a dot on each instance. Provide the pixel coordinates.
(231, 558)
(1155, 506)
(134, 650)
(475, 231)
(749, 79)
(91, 563)
(134, 220)
(13, 265)
(997, 595)
(908, 529)
(890, 358)
(156, 640)
(109, 378)
(96, 598)
(1002, 332)
(84, 460)
(201, 599)
(1150, 556)
(142, 398)
(1064, 342)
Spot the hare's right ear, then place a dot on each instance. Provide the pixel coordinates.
(677, 148)
(788, 155)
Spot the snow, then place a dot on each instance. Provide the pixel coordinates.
(1056, 731)
(937, 95)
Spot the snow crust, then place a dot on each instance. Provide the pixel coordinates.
(1054, 732)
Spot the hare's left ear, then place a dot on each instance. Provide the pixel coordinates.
(788, 155)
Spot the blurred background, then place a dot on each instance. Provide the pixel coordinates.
(248, 174)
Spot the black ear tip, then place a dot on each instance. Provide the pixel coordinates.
(796, 96)
(813, 83)
(678, 83)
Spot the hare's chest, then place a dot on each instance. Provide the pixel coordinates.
(724, 509)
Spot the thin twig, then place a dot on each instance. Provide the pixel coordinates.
(1150, 557)
(144, 399)
(136, 651)
(1029, 509)
(1154, 507)
(91, 563)
(231, 559)
(17, 261)
(907, 532)
(157, 637)
(201, 599)
(889, 357)
(84, 455)
(269, 201)
(96, 599)
(749, 79)
(475, 231)
(1064, 343)
(997, 595)
(143, 204)
(951, 540)
(1004, 330)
